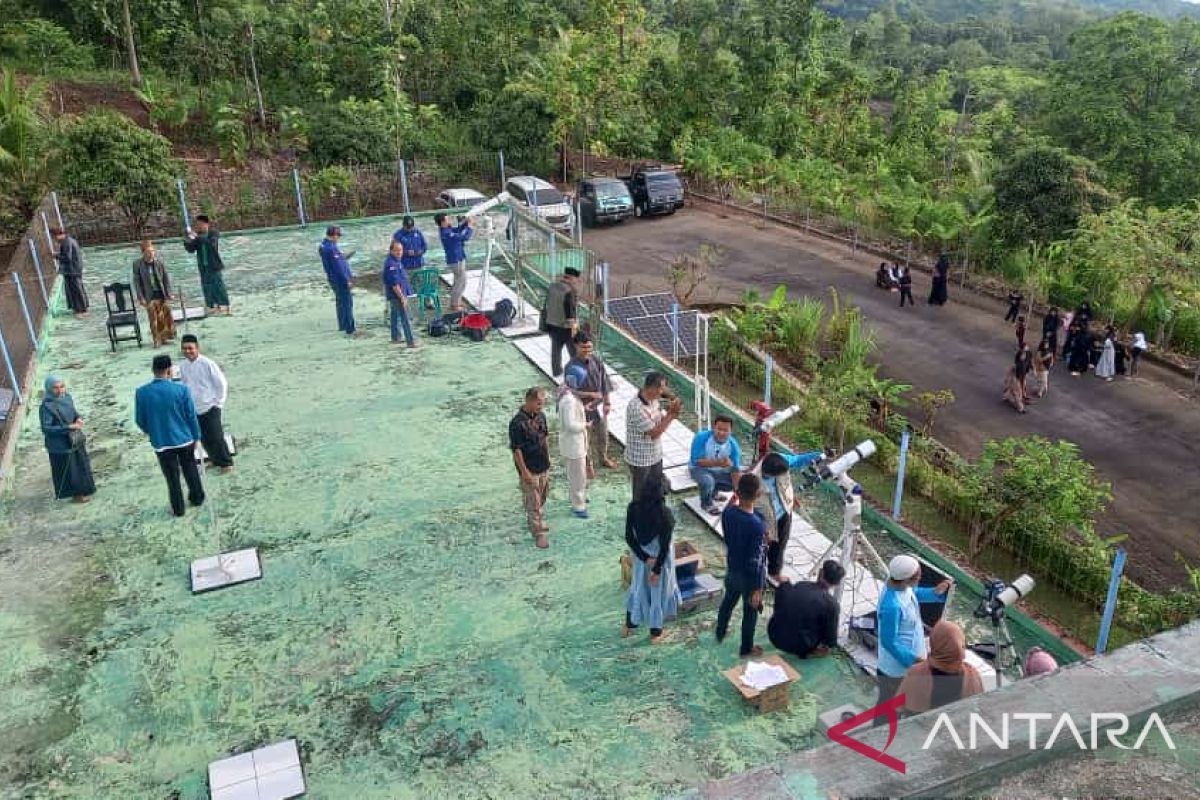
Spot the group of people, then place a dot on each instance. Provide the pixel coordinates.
(896, 278)
(405, 256)
(1106, 355)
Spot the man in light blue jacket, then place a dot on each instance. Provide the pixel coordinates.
(901, 633)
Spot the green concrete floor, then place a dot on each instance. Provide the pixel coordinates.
(405, 631)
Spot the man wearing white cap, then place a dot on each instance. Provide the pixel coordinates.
(901, 633)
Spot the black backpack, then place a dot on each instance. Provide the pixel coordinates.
(437, 327)
(503, 314)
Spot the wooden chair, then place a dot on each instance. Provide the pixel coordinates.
(122, 313)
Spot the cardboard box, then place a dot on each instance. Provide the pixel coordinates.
(770, 699)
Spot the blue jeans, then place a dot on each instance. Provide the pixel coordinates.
(345, 308)
(710, 481)
(399, 318)
(739, 587)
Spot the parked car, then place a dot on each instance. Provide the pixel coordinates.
(656, 189)
(604, 200)
(540, 198)
(459, 198)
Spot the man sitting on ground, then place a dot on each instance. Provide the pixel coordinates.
(806, 614)
(715, 462)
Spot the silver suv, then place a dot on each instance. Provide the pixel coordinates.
(541, 199)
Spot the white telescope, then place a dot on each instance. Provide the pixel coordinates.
(778, 418)
(488, 205)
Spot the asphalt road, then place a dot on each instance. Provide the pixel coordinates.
(1142, 435)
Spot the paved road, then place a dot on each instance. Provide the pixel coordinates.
(1142, 435)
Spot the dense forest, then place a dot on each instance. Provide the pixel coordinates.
(1056, 144)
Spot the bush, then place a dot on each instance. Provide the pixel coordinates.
(38, 43)
(353, 132)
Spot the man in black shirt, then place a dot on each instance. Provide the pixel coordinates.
(527, 435)
(805, 621)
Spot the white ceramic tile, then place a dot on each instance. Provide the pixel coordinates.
(229, 771)
(281, 785)
(246, 790)
(227, 569)
(275, 757)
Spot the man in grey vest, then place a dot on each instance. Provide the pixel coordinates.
(559, 318)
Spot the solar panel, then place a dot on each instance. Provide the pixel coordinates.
(655, 331)
(623, 308)
(658, 303)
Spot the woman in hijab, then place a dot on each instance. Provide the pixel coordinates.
(1014, 390)
(62, 427)
(1023, 366)
(1081, 349)
(1106, 367)
(945, 677)
(1139, 346)
(653, 592)
(1038, 382)
(941, 276)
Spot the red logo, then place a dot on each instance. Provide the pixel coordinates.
(838, 733)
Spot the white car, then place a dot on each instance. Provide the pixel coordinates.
(459, 198)
(541, 199)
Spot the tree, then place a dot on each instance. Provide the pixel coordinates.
(107, 152)
(135, 71)
(24, 152)
(1041, 194)
(353, 132)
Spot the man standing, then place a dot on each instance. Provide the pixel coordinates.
(806, 615)
(901, 634)
(1050, 324)
(412, 255)
(572, 438)
(594, 391)
(1015, 298)
(70, 265)
(337, 272)
(645, 423)
(527, 438)
(559, 318)
(904, 279)
(454, 242)
(208, 387)
(164, 411)
(715, 462)
(152, 285)
(745, 563)
(204, 243)
(397, 290)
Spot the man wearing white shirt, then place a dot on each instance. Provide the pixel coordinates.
(208, 387)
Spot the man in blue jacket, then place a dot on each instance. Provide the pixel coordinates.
(454, 242)
(745, 535)
(715, 461)
(163, 409)
(901, 634)
(337, 271)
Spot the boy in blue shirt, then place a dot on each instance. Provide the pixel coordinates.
(715, 462)
(745, 563)
(164, 410)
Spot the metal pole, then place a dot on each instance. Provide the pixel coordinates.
(900, 475)
(604, 287)
(299, 198)
(674, 332)
(768, 368)
(503, 177)
(37, 265)
(57, 210)
(46, 228)
(553, 267)
(25, 309)
(183, 209)
(1110, 604)
(12, 375)
(404, 184)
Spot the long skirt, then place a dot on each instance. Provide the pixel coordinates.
(652, 605)
(212, 283)
(73, 290)
(162, 325)
(937, 291)
(1038, 383)
(1014, 390)
(72, 474)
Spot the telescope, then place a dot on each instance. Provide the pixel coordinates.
(488, 205)
(1000, 596)
(832, 470)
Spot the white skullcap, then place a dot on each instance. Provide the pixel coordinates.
(901, 568)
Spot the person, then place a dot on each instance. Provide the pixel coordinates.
(412, 252)
(595, 391)
(1106, 367)
(527, 438)
(745, 536)
(1083, 315)
(1023, 363)
(1015, 299)
(572, 438)
(645, 423)
(805, 620)
(653, 596)
(337, 272)
(1020, 331)
(1037, 383)
(945, 677)
(779, 500)
(204, 242)
(62, 432)
(209, 390)
(164, 411)
(70, 265)
(1068, 328)
(883, 276)
(454, 243)
(1081, 346)
(559, 317)
(941, 279)
(1050, 325)
(901, 634)
(1139, 346)
(397, 289)
(1038, 662)
(1118, 348)
(152, 286)
(1014, 390)
(905, 282)
(715, 461)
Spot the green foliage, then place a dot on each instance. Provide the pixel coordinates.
(327, 184)
(24, 147)
(230, 130)
(43, 46)
(1040, 196)
(107, 152)
(354, 132)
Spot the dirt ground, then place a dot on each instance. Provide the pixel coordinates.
(1142, 435)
